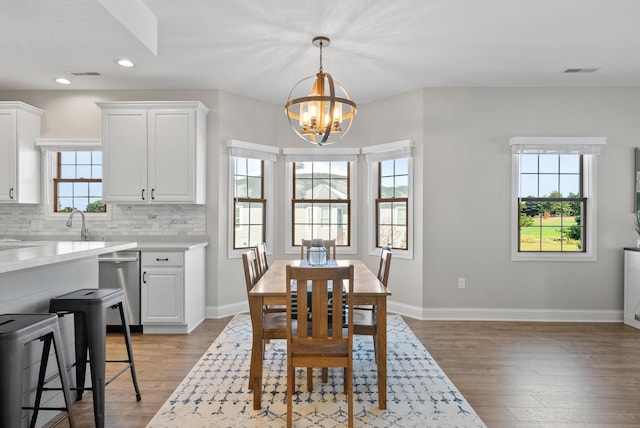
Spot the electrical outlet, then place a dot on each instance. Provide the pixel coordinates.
(462, 282)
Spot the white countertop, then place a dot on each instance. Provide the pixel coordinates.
(143, 242)
(15, 256)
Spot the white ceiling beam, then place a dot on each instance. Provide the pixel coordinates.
(136, 17)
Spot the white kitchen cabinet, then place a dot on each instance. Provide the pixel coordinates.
(631, 287)
(173, 290)
(154, 152)
(19, 157)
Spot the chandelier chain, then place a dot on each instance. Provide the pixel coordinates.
(321, 43)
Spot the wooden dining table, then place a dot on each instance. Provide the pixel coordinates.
(271, 290)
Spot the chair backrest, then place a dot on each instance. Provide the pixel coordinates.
(251, 274)
(385, 265)
(325, 334)
(329, 244)
(261, 255)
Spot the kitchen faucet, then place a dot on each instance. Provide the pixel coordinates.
(84, 233)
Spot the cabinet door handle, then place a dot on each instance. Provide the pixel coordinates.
(11, 193)
(144, 277)
(143, 194)
(162, 260)
(153, 194)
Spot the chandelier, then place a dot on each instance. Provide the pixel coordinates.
(322, 117)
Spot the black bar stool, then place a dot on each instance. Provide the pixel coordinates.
(89, 307)
(16, 331)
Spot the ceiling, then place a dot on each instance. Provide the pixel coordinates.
(260, 48)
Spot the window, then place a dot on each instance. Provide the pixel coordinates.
(72, 178)
(249, 202)
(77, 183)
(322, 191)
(550, 203)
(321, 205)
(390, 193)
(392, 203)
(250, 195)
(554, 198)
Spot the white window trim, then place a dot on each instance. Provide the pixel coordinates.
(49, 148)
(375, 154)
(323, 155)
(254, 151)
(589, 147)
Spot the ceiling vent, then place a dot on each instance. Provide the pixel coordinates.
(581, 70)
(84, 73)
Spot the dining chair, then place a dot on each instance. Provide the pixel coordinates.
(274, 323)
(263, 264)
(321, 341)
(364, 322)
(329, 244)
(261, 255)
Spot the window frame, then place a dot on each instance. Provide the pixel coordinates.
(58, 179)
(374, 154)
(589, 148)
(268, 156)
(347, 201)
(49, 148)
(324, 154)
(261, 200)
(380, 200)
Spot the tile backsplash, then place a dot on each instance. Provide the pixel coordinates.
(160, 220)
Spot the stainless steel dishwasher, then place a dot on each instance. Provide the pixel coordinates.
(122, 270)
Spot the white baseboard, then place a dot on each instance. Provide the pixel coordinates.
(216, 312)
(465, 314)
(548, 315)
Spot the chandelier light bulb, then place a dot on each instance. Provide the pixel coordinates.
(318, 116)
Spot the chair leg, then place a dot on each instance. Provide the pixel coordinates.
(64, 375)
(345, 374)
(124, 317)
(80, 333)
(291, 382)
(310, 378)
(325, 375)
(349, 382)
(46, 347)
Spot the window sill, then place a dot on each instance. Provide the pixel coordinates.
(90, 217)
(543, 257)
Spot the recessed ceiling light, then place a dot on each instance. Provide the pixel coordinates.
(63, 81)
(125, 63)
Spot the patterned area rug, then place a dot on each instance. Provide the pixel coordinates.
(215, 393)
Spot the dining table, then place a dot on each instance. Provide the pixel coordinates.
(271, 290)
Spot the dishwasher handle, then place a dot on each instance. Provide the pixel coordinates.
(117, 259)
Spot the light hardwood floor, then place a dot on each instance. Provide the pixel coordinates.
(513, 374)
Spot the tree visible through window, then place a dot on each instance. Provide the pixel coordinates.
(249, 203)
(78, 182)
(392, 203)
(321, 202)
(551, 203)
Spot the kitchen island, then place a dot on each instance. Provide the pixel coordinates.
(33, 272)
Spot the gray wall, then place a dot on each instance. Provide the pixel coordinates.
(462, 191)
(466, 191)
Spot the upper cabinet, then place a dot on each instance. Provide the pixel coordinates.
(154, 152)
(19, 157)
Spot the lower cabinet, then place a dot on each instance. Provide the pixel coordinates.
(173, 290)
(631, 287)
